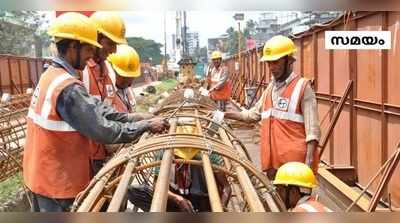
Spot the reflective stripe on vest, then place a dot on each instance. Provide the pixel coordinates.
(310, 208)
(216, 74)
(282, 115)
(86, 78)
(111, 73)
(56, 158)
(42, 118)
(282, 127)
(47, 101)
(49, 124)
(291, 114)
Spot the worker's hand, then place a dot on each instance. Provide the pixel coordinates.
(311, 147)
(309, 161)
(146, 115)
(158, 125)
(184, 204)
(218, 116)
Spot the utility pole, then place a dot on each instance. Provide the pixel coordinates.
(238, 17)
(239, 39)
(165, 44)
(184, 35)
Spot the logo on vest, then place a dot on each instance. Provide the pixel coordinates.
(110, 90)
(35, 97)
(282, 104)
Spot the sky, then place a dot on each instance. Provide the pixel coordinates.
(150, 24)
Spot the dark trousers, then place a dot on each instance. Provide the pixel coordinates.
(142, 195)
(221, 105)
(96, 166)
(42, 203)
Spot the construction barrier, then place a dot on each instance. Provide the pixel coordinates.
(366, 132)
(19, 73)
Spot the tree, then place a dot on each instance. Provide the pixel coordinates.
(148, 50)
(232, 41)
(250, 29)
(200, 54)
(20, 30)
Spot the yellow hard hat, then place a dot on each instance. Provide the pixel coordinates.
(125, 61)
(278, 47)
(186, 153)
(75, 26)
(295, 173)
(216, 55)
(111, 25)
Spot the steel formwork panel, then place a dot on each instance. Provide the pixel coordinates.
(368, 141)
(394, 59)
(369, 75)
(393, 136)
(323, 65)
(341, 138)
(308, 58)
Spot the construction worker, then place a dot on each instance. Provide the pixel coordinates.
(287, 110)
(295, 181)
(219, 85)
(188, 187)
(99, 78)
(63, 117)
(125, 66)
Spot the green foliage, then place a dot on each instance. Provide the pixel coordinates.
(147, 49)
(19, 30)
(166, 85)
(150, 100)
(200, 55)
(232, 41)
(9, 187)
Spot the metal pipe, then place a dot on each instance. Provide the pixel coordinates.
(336, 116)
(160, 196)
(94, 194)
(385, 179)
(215, 199)
(249, 192)
(122, 188)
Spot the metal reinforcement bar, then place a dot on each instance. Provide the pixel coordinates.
(252, 191)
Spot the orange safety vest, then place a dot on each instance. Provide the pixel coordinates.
(56, 158)
(224, 93)
(119, 103)
(282, 128)
(123, 105)
(100, 86)
(311, 205)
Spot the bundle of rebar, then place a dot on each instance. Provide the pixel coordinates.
(152, 159)
(12, 134)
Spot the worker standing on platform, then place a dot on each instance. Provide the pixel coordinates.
(63, 117)
(99, 78)
(219, 84)
(295, 182)
(287, 110)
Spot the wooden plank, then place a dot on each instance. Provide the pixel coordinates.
(344, 190)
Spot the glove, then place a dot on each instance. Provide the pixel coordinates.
(218, 116)
(188, 93)
(204, 92)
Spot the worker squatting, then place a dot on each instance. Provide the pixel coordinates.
(83, 106)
